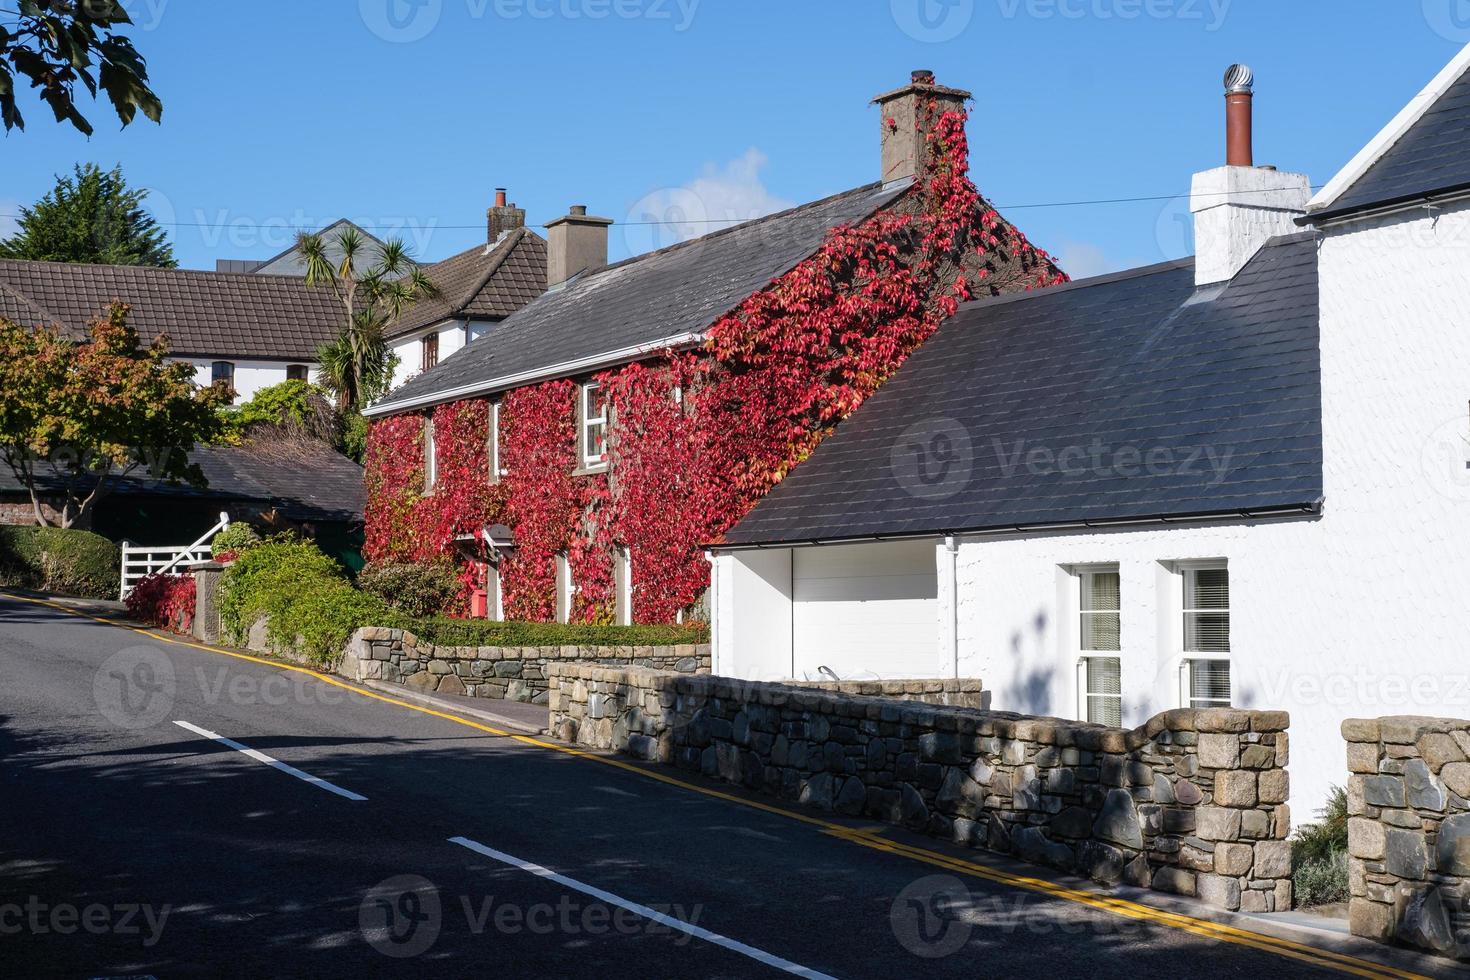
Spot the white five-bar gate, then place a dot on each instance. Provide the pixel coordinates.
(140, 561)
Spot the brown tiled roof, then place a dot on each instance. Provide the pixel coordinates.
(483, 282)
(203, 313)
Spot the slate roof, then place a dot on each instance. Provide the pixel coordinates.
(308, 482)
(484, 282)
(204, 313)
(1137, 361)
(677, 290)
(1430, 158)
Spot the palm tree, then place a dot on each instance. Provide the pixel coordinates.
(358, 365)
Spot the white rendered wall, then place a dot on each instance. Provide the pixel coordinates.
(752, 615)
(250, 376)
(409, 348)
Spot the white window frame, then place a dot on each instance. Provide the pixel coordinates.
(623, 583)
(492, 444)
(431, 456)
(1187, 657)
(1080, 574)
(565, 588)
(588, 423)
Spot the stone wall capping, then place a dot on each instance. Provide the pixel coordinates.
(1111, 804)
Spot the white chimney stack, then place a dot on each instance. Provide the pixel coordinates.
(1239, 207)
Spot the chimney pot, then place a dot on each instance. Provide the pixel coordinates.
(502, 218)
(921, 76)
(575, 243)
(1239, 93)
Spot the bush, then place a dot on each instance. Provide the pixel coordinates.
(236, 537)
(314, 608)
(1319, 841)
(415, 590)
(444, 631)
(163, 600)
(306, 595)
(53, 559)
(1321, 882)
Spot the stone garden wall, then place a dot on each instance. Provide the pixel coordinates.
(953, 692)
(1191, 803)
(505, 673)
(1409, 831)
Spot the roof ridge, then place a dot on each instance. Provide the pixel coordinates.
(752, 222)
(320, 231)
(156, 269)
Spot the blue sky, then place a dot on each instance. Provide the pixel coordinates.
(406, 114)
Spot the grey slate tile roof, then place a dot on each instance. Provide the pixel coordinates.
(1432, 156)
(1139, 361)
(204, 313)
(482, 282)
(310, 482)
(677, 290)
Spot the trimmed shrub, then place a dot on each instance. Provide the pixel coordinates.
(236, 537)
(415, 590)
(166, 601)
(444, 631)
(53, 559)
(314, 608)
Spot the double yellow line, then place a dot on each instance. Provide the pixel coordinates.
(1205, 928)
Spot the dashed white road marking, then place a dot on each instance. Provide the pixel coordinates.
(759, 955)
(258, 756)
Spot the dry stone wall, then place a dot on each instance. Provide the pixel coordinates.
(506, 673)
(1409, 831)
(1191, 803)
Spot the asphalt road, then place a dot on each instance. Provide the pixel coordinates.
(402, 843)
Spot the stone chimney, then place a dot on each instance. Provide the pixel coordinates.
(1239, 207)
(503, 218)
(575, 243)
(905, 123)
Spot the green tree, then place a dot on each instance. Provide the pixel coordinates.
(92, 216)
(56, 44)
(357, 366)
(78, 416)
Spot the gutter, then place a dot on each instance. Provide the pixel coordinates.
(561, 370)
(1209, 517)
(1449, 195)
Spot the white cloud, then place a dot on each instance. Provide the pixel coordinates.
(1083, 260)
(722, 195)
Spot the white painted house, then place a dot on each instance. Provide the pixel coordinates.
(1239, 480)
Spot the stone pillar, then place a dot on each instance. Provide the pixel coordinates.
(207, 577)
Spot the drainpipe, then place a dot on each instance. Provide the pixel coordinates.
(714, 613)
(952, 545)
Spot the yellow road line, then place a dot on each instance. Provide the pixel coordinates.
(864, 837)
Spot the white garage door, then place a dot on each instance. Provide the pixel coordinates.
(867, 611)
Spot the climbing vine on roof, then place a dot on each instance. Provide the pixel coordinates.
(698, 436)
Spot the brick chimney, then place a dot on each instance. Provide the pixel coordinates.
(1239, 207)
(575, 243)
(503, 218)
(905, 125)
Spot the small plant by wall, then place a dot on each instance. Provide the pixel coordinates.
(166, 601)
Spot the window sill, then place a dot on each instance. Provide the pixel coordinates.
(591, 470)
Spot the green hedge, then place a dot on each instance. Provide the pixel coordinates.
(53, 559)
(308, 595)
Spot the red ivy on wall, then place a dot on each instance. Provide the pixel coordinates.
(698, 437)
